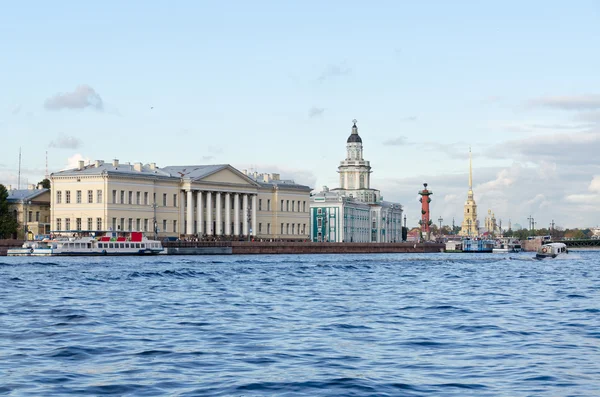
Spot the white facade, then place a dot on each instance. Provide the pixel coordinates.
(354, 212)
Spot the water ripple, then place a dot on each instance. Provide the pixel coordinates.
(301, 325)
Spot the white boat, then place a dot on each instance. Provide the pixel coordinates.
(551, 250)
(507, 245)
(134, 244)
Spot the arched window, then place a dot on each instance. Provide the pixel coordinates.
(362, 181)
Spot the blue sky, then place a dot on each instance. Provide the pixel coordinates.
(273, 86)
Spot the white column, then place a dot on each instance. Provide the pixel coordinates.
(199, 213)
(209, 214)
(236, 214)
(228, 214)
(218, 220)
(181, 213)
(254, 230)
(190, 212)
(245, 214)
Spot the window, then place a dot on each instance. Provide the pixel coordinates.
(282, 223)
(58, 224)
(293, 208)
(164, 199)
(164, 224)
(268, 204)
(154, 198)
(298, 205)
(281, 205)
(268, 228)
(98, 223)
(319, 222)
(68, 197)
(293, 229)
(175, 200)
(58, 197)
(174, 226)
(260, 204)
(130, 197)
(90, 196)
(68, 223)
(287, 228)
(319, 211)
(287, 205)
(260, 228)
(30, 216)
(122, 197)
(138, 224)
(90, 223)
(99, 197)
(138, 196)
(130, 224)
(37, 216)
(122, 224)
(78, 223)
(145, 198)
(304, 206)
(114, 196)
(114, 223)
(304, 228)
(146, 225)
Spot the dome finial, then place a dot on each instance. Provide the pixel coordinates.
(354, 122)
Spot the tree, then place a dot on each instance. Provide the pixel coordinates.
(8, 224)
(45, 183)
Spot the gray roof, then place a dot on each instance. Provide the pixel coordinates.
(108, 167)
(287, 184)
(193, 171)
(24, 194)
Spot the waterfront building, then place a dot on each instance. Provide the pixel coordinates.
(31, 208)
(470, 227)
(193, 201)
(354, 212)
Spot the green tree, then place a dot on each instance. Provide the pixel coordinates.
(8, 224)
(45, 183)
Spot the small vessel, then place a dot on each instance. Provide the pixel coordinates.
(132, 244)
(478, 245)
(507, 245)
(551, 250)
(454, 246)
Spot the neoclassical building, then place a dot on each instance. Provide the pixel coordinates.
(470, 226)
(354, 212)
(204, 201)
(31, 208)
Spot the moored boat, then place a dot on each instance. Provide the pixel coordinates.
(132, 244)
(551, 250)
(507, 245)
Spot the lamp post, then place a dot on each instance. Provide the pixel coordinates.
(26, 204)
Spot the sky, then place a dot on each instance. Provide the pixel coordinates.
(273, 86)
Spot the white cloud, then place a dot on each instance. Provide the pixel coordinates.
(315, 112)
(73, 161)
(334, 71)
(574, 102)
(84, 96)
(595, 184)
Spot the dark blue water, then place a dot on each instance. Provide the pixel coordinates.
(312, 325)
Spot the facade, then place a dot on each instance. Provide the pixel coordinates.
(31, 208)
(490, 223)
(470, 227)
(195, 201)
(355, 212)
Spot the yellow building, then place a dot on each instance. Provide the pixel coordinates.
(31, 208)
(195, 201)
(469, 227)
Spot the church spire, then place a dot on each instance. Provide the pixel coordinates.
(470, 170)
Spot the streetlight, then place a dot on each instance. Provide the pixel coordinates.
(440, 220)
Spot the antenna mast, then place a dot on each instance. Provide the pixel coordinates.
(47, 164)
(19, 177)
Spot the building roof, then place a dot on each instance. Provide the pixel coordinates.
(100, 167)
(193, 171)
(354, 137)
(18, 195)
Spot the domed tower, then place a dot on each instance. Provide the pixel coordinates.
(469, 227)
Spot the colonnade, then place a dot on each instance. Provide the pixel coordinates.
(221, 224)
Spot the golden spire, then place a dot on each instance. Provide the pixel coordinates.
(470, 170)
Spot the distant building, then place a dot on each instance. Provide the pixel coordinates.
(354, 212)
(470, 227)
(31, 208)
(491, 225)
(194, 201)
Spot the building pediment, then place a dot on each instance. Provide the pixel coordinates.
(227, 175)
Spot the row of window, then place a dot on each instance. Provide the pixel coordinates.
(78, 196)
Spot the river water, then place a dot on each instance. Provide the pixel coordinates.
(301, 325)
